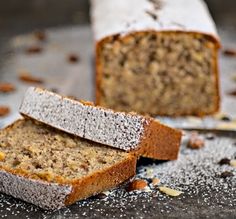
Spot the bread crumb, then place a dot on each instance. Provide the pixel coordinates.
(155, 181)
(195, 141)
(169, 191)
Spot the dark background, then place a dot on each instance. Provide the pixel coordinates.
(25, 15)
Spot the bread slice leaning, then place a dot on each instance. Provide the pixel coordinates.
(126, 131)
(52, 169)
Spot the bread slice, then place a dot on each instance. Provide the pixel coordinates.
(52, 169)
(126, 131)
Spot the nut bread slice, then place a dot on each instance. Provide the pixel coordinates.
(126, 131)
(156, 57)
(52, 169)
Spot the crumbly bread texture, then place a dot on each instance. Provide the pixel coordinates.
(126, 131)
(52, 169)
(158, 57)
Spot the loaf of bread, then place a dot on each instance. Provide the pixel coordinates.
(52, 169)
(156, 56)
(126, 131)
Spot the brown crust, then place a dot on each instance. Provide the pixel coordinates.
(160, 142)
(212, 38)
(92, 184)
(103, 180)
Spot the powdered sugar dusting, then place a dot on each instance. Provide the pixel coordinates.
(195, 173)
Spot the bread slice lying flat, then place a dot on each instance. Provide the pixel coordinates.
(52, 169)
(126, 131)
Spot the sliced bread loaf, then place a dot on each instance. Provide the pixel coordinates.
(52, 169)
(126, 131)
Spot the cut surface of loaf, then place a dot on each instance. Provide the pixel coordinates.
(126, 131)
(158, 57)
(52, 169)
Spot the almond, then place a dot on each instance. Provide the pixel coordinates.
(137, 184)
(4, 110)
(169, 191)
(27, 77)
(155, 181)
(6, 87)
(195, 142)
(233, 163)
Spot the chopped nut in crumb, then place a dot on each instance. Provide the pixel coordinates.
(85, 167)
(2, 156)
(137, 184)
(169, 191)
(4, 111)
(45, 175)
(6, 87)
(27, 77)
(195, 141)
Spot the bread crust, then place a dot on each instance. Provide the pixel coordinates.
(160, 142)
(55, 195)
(214, 61)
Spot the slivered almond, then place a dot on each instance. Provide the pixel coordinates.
(27, 77)
(169, 191)
(233, 163)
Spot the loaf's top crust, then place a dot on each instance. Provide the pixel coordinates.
(124, 17)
